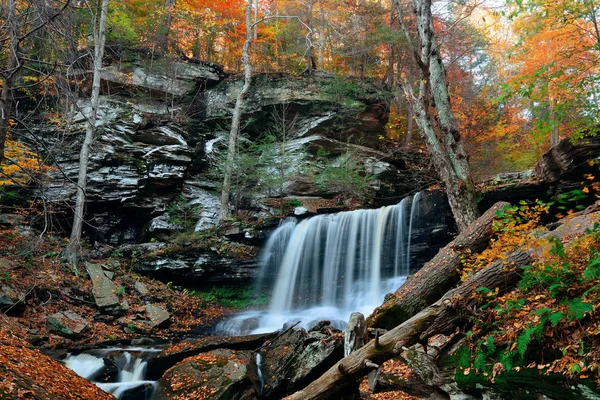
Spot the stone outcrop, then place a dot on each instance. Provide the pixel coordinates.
(202, 266)
(12, 301)
(297, 357)
(185, 349)
(220, 374)
(104, 290)
(67, 324)
(143, 161)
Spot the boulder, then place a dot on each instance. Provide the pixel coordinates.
(104, 290)
(12, 302)
(67, 324)
(219, 375)
(157, 315)
(178, 80)
(189, 348)
(296, 358)
(141, 288)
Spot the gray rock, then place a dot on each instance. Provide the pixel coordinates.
(219, 375)
(12, 302)
(300, 210)
(297, 357)
(104, 290)
(12, 219)
(157, 315)
(201, 265)
(109, 274)
(141, 288)
(67, 324)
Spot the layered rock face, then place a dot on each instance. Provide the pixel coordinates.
(161, 137)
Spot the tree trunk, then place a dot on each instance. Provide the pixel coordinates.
(322, 40)
(409, 126)
(237, 116)
(310, 60)
(437, 276)
(9, 76)
(164, 30)
(446, 149)
(73, 250)
(503, 275)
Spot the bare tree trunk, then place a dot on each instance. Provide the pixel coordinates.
(322, 40)
(410, 121)
(555, 133)
(310, 58)
(446, 149)
(162, 39)
(73, 250)
(237, 116)
(9, 76)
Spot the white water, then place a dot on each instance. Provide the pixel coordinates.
(85, 365)
(261, 379)
(328, 266)
(130, 362)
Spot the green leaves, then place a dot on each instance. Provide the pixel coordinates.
(577, 309)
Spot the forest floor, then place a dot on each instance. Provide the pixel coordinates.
(33, 268)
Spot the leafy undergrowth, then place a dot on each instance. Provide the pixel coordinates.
(551, 322)
(34, 268)
(231, 297)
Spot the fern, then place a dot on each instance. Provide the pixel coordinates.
(528, 335)
(592, 271)
(555, 318)
(578, 309)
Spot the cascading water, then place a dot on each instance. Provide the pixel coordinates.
(328, 266)
(131, 366)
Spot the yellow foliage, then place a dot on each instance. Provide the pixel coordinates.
(22, 165)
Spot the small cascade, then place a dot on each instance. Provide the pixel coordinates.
(261, 378)
(328, 266)
(118, 371)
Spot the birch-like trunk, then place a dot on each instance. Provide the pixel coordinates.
(322, 37)
(440, 130)
(73, 250)
(237, 116)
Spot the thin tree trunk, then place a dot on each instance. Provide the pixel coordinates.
(410, 121)
(237, 116)
(164, 30)
(311, 48)
(322, 37)
(12, 67)
(73, 250)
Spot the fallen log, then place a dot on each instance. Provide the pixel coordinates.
(437, 276)
(503, 275)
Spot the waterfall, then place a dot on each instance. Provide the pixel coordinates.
(328, 266)
(131, 368)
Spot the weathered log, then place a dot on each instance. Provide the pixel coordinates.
(437, 276)
(503, 275)
(567, 159)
